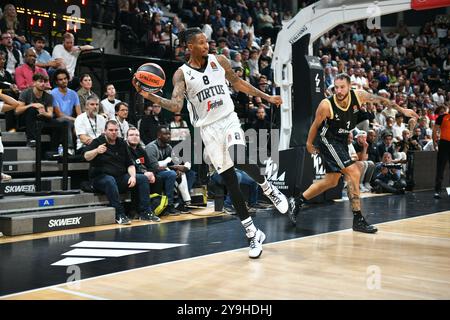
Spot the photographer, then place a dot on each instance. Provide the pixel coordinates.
(388, 176)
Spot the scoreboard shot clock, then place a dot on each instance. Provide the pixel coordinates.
(54, 17)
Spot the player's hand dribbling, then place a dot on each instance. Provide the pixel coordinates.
(276, 100)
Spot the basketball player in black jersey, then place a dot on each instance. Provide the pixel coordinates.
(335, 117)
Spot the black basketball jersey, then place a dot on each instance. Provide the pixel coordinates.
(342, 121)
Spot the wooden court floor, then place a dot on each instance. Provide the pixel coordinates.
(407, 259)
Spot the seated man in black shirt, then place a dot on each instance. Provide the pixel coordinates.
(140, 158)
(112, 172)
(36, 105)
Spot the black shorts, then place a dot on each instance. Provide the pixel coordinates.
(334, 154)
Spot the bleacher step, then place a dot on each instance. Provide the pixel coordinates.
(34, 222)
(21, 204)
(20, 186)
(2, 125)
(47, 166)
(19, 154)
(12, 138)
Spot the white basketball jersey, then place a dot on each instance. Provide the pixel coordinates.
(207, 93)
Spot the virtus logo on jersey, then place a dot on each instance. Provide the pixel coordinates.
(215, 104)
(210, 92)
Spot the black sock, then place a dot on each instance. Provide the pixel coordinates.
(357, 214)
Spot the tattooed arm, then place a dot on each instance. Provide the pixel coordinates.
(175, 104)
(366, 97)
(243, 86)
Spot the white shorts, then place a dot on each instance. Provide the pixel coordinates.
(218, 137)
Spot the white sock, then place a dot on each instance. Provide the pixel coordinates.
(250, 228)
(265, 185)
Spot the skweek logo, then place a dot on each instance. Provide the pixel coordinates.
(272, 174)
(20, 189)
(64, 222)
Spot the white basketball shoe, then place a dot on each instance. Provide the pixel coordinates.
(256, 244)
(278, 199)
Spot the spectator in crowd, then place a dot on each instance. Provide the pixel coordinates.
(109, 103)
(12, 55)
(69, 52)
(218, 21)
(266, 24)
(389, 177)
(6, 104)
(6, 80)
(66, 105)
(35, 105)
(113, 172)
(140, 159)
(386, 145)
(89, 125)
(407, 144)
(9, 21)
(24, 73)
(438, 97)
(398, 127)
(178, 121)
(160, 155)
(150, 124)
(154, 44)
(43, 57)
(261, 120)
(360, 145)
(178, 128)
(85, 90)
(121, 118)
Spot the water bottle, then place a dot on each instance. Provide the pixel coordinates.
(60, 149)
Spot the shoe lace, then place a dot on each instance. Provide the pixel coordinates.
(273, 196)
(253, 242)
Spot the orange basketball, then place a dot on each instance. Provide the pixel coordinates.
(151, 77)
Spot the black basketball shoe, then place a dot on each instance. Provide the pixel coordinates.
(295, 205)
(360, 224)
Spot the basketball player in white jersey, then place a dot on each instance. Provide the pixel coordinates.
(203, 81)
